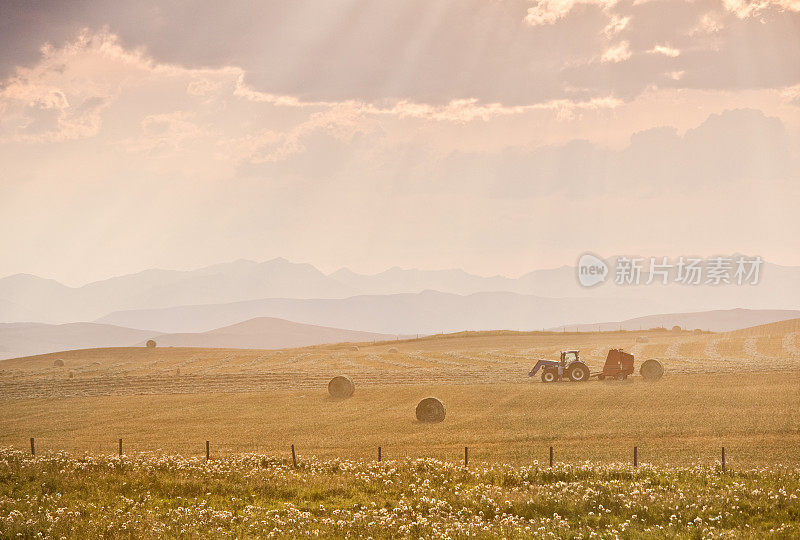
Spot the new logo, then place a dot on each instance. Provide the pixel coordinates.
(591, 270)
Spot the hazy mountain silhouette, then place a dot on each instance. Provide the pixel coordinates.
(30, 298)
(427, 312)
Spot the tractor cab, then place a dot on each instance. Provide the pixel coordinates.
(569, 356)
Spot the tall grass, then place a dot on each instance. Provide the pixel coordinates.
(59, 495)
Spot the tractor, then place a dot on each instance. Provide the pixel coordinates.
(619, 364)
(570, 365)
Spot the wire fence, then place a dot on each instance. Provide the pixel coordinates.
(548, 455)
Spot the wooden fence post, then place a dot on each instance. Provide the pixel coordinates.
(379, 453)
(208, 450)
(33, 448)
(466, 456)
(551, 456)
(294, 458)
(120, 448)
(723, 459)
(635, 456)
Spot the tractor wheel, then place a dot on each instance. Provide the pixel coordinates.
(549, 376)
(578, 372)
(601, 377)
(620, 376)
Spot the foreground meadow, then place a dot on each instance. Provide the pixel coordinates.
(142, 496)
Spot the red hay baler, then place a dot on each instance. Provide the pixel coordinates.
(619, 365)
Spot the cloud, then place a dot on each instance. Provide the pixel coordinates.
(617, 53)
(616, 25)
(745, 8)
(64, 96)
(457, 110)
(340, 123)
(727, 151)
(41, 104)
(550, 11)
(666, 50)
(709, 24)
(511, 53)
(467, 110)
(165, 132)
(206, 160)
(792, 95)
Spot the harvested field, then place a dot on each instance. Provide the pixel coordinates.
(680, 419)
(257, 400)
(464, 358)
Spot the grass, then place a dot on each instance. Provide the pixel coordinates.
(680, 419)
(255, 496)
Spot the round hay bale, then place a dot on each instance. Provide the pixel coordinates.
(641, 339)
(651, 370)
(71, 374)
(58, 363)
(341, 387)
(430, 410)
(354, 348)
(676, 328)
(151, 344)
(393, 350)
(178, 371)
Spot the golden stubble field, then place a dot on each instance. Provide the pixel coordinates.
(740, 390)
(682, 418)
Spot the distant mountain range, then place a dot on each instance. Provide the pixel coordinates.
(428, 312)
(395, 301)
(25, 297)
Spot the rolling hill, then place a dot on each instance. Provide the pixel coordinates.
(714, 321)
(267, 333)
(22, 339)
(26, 339)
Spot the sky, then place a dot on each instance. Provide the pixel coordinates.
(494, 136)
